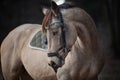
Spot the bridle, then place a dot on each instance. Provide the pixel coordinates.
(63, 41)
(62, 36)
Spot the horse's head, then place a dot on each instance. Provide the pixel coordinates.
(61, 35)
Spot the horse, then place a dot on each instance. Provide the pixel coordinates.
(73, 51)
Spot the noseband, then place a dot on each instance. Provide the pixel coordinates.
(63, 41)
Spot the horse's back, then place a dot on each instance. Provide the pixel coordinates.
(11, 49)
(17, 37)
(18, 32)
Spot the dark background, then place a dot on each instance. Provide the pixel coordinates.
(105, 13)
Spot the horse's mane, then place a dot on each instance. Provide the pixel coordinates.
(46, 19)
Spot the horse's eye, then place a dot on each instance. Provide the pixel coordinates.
(54, 33)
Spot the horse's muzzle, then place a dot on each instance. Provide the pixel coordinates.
(55, 66)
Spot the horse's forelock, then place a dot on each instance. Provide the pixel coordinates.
(47, 17)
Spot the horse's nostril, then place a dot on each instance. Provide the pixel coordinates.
(53, 63)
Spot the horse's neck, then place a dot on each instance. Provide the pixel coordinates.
(84, 25)
(78, 47)
(87, 36)
(86, 42)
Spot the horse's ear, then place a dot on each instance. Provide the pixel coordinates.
(46, 19)
(55, 8)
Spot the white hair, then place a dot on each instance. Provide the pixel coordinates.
(59, 2)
